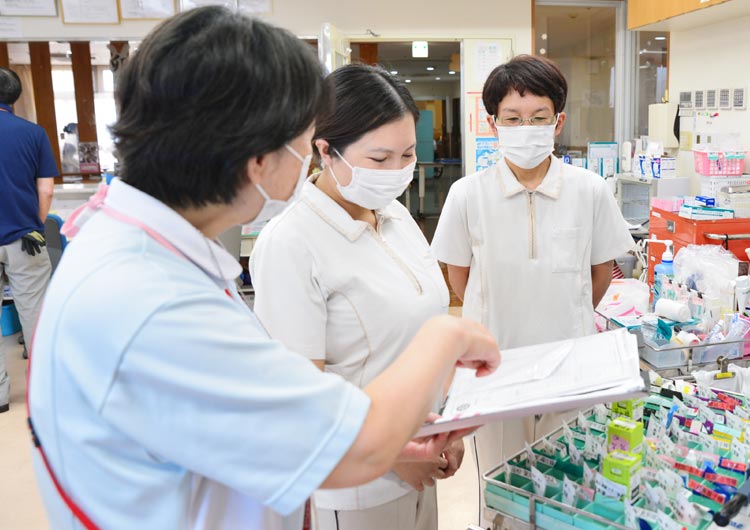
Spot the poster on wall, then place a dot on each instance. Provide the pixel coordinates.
(88, 157)
(488, 56)
(190, 4)
(483, 126)
(90, 12)
(255, 7)
(28, 8)
(146, 9)
(487, 153)
(10, 28)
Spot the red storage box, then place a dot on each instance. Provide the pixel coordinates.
(684, 232)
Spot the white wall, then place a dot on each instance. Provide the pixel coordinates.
(715, 56)
(388, 18)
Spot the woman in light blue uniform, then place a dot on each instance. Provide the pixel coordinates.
(151, 380)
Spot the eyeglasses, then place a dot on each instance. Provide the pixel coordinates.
(534, 121)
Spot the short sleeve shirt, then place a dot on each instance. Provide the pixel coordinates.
(530, 253)
(25, 156)
(337, 289)
(148, 380)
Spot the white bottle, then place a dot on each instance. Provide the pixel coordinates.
(742, 293)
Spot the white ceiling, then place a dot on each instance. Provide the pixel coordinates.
(397, 56)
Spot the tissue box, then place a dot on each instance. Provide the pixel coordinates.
(702, 200)
(626, 435)
(631, 408)
(624, 468)
(701, 213)
(668, 167)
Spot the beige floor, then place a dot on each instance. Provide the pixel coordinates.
(21, 507)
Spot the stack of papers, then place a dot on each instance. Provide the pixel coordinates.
(543, 378)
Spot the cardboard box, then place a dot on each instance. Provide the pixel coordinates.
(624, 468)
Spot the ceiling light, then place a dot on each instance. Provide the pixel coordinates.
(452, 72)
(430, 68)
(394, 72)
(437, 79)
(660, 38)
(407, 80)
(419, 48)
(542, 51)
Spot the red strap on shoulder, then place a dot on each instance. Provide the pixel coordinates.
(78, 513)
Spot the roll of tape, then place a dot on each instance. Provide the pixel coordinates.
(672, 310)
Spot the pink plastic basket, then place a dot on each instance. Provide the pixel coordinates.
(715, 163)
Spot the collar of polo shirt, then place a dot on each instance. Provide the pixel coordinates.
(550, 186)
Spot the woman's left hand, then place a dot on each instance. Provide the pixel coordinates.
(454, 454)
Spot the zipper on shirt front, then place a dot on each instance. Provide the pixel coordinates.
(532, 225)
(397, 259)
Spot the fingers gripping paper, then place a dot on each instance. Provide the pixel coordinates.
(545, 378)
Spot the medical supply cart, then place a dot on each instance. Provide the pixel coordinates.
(564, 481)
(733, 234)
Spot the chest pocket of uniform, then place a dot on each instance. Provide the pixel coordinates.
(566, 257)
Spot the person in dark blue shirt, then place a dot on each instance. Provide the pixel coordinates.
(27, 168)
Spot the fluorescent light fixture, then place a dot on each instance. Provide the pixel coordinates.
(407, 80)
(419, 48)
(437, 79)
(451, 72)
(394, 72)
(430, 68)
(660, 38)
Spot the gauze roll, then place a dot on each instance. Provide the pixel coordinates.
(672, 310)
(688, 339)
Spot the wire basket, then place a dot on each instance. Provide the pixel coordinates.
(715, 163)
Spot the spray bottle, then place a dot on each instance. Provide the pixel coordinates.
(664, 270)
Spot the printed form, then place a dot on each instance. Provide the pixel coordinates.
(545, 378)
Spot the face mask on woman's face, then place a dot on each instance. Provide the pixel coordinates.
(526, 146)
(374, 189)
(273, 207)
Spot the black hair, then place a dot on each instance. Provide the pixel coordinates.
(363, 98)
(525, 73)
(10, 86)
(205, 92)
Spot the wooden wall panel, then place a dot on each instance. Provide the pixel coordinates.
(368, 52)
(83, 81)
(44, 96)
(644, 12)
(4, 57)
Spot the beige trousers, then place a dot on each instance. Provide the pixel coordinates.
(414, 511)
(28, 277)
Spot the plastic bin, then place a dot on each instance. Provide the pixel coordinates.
(711, 163)
(9, 319)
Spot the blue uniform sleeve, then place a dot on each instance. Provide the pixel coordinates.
(223, 400)
(47, 167)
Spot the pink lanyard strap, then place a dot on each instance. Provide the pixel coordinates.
(82, 214)
(72, 226)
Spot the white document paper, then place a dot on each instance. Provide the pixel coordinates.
(146, 9)
(545, 378)
(255, 7)
(10, 28)
(190, 4)
(28, 8)
(90, 12)
(488, 56)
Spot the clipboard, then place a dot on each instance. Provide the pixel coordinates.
(544, 378)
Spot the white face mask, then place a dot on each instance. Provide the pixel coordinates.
(374, 189)
(273, 207)
(526, 146)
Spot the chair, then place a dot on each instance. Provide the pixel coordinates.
(232, 240)
(56, 242)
